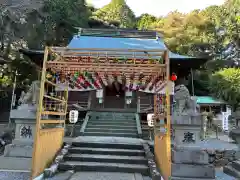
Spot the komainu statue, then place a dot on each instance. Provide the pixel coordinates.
(184, 103)
(32, 95)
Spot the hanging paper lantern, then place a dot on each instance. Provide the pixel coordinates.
(131, 87)
(80, 79)
(160, 60)
(89, 59)
(99, 78)
(115, 60)
(141, 76)
(85, 73)
(78, 86)
(62, 77)
(96, 84)
(151, 88)
(173, 77)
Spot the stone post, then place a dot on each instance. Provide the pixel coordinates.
(204, 124)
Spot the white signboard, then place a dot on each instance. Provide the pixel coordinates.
(225, 116)
(73, 116)
(150, 120)
(99, 93)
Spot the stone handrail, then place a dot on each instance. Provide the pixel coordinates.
(139, 128)
(89, 100)
(84, 125)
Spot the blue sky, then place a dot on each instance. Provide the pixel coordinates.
(162, 7)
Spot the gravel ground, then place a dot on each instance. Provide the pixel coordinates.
(14, 175)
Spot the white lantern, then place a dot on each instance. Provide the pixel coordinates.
(99, 93)
(150, 120)
(73, 116)
(128, 93)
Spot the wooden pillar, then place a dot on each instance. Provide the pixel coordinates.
(162, 143)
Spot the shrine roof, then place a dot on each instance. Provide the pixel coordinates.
(122, 43)
(208, 100)
(123, 39)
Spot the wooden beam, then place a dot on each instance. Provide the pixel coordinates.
(51, 121)
(65, 49)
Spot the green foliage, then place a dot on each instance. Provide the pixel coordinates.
(225, 84)
(55, 23)
(117, 11)
(194, 33)
(145, 21)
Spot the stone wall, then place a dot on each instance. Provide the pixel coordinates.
(217, 152)
(221, 158)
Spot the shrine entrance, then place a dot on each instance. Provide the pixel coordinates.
(114, 96)
(130, 70)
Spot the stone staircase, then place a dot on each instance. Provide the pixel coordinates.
(233, 169)
(111, 124)
(106, 157)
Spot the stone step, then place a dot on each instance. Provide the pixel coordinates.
(104, 151)
(229, 170)
(111, 119)
(116, 123)
(146, 178)
(111, 130)
(111, 126)
(236, 165)
(132, 135)
(193, 171)
(107, 176)
(104, 167)
(110, 145)
(106, 158)
(184, 178)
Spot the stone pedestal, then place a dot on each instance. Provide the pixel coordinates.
(186, 162)
(22, 146)
(190, 163)
(186, 134)
(186, 129)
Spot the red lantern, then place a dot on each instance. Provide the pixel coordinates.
(174, 77)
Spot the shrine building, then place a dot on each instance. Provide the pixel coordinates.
(110, 77)
(116, 94)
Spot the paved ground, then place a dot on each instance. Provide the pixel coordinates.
(222, 176)
(105, 176)
(14, 175)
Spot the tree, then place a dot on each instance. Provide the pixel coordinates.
(54, 23)
(117, 11)
(225, 85)
(145, 21)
